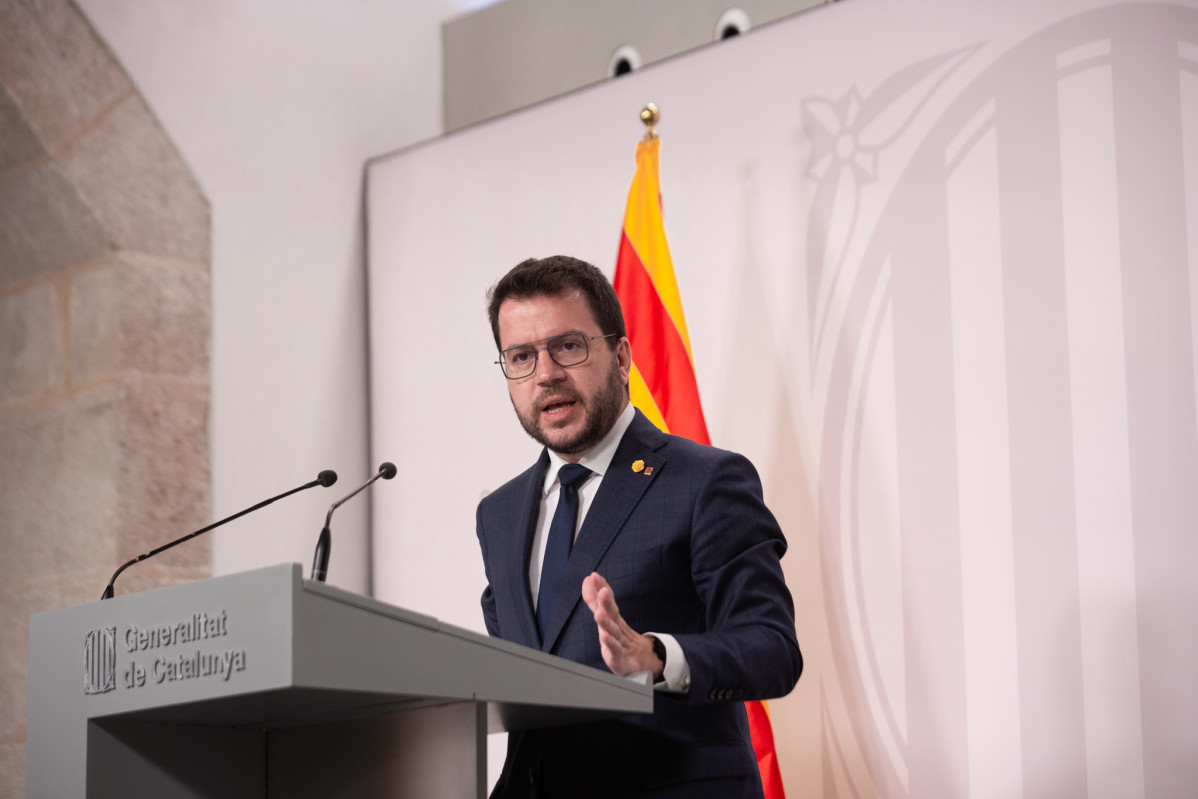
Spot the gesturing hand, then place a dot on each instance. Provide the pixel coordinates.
(624, 649)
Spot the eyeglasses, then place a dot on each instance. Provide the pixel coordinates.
(568, 349)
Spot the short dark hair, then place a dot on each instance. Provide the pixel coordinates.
(553, 277)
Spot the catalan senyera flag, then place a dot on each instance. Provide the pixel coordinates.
(662, 383)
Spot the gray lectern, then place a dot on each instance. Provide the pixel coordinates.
(266, 684)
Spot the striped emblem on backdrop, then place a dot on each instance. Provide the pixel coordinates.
(1003, 303)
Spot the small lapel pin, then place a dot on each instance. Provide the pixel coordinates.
(648, 471)
(638, 465)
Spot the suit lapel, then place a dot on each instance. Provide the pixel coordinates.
(620, 491)
(517, 555)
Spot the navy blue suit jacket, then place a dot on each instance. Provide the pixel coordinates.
(689, 549)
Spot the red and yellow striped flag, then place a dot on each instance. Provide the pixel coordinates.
(662, 383)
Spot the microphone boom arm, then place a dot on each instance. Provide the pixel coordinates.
(325, 478)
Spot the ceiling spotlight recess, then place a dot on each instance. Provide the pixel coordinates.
(732, 22)
(624, 60)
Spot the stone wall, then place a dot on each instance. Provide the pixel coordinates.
(105, 312)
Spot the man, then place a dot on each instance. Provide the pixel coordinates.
(663, 559)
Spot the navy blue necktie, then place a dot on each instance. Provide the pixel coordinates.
(561, 539)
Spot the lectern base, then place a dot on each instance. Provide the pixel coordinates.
(421, 752)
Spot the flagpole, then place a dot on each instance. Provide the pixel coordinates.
(650, 115)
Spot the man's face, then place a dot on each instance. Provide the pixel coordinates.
(568, 409)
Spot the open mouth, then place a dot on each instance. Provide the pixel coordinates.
(558, 407)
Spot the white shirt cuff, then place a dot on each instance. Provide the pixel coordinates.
(676, 678)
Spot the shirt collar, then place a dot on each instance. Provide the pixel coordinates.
(597, 458)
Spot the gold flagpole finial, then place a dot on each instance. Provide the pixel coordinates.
(650, 115)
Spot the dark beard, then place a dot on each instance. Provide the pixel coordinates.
(602, 413)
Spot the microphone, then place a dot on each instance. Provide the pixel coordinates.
(320, 561)
(325, 478)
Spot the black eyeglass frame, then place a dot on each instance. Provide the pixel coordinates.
(536, 352)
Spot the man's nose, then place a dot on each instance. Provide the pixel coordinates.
(548, 370)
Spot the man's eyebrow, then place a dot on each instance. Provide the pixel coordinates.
(547, 338)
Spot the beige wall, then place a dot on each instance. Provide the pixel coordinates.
(104, 338)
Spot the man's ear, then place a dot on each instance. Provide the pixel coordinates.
(624, 358)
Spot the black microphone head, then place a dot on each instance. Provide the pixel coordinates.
(327, 477)
(387, 470)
